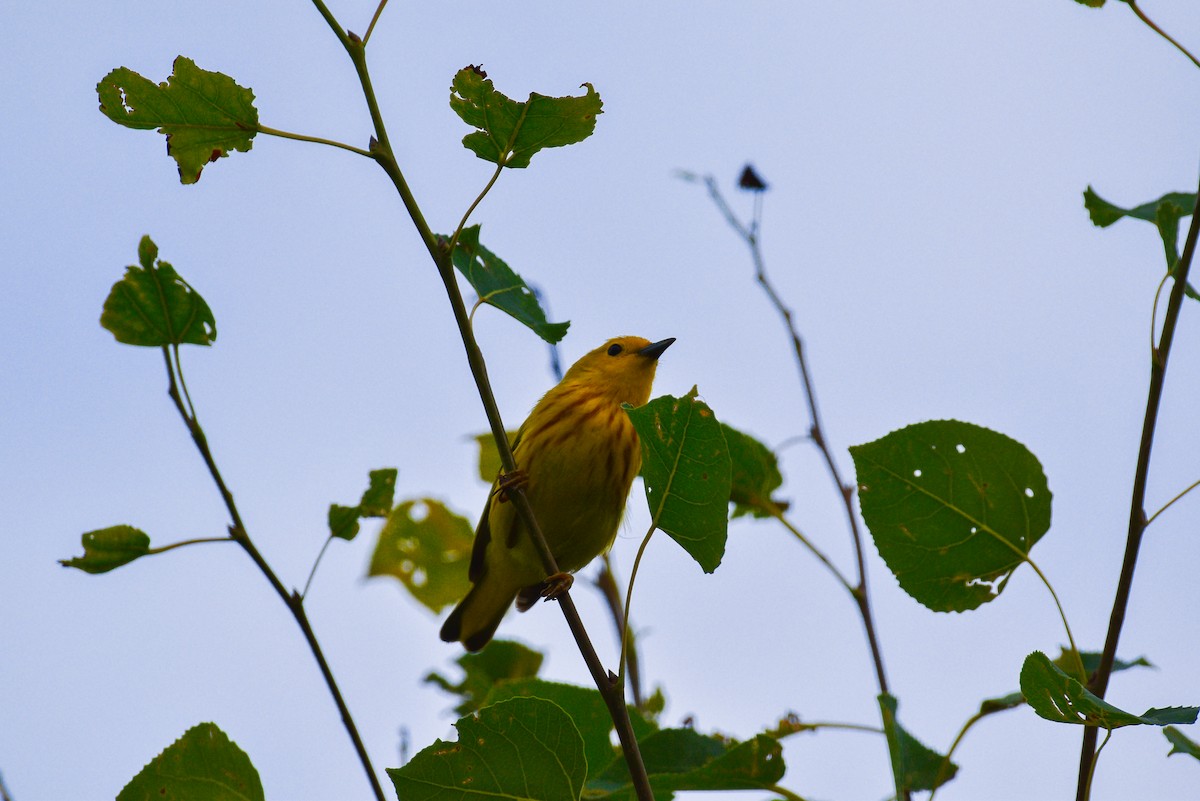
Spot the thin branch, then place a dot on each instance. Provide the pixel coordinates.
(375, 18)
(4, 794)
(295, 604)
(612, 693)
(777, 513)
(1168, 504)
(313, 572)
(625, 633)
(606, 582)
(1141, 15)
(314, 139)
(1137, 505)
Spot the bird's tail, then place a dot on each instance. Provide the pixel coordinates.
(475, 619)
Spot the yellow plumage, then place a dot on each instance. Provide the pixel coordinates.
(579, 454)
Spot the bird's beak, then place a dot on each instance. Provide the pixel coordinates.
(655, 349)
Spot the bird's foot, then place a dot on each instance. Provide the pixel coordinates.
(517, 479)
(556, 585)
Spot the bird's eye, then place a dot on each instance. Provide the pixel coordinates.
(613, 350)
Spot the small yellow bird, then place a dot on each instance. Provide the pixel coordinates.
(576, 456)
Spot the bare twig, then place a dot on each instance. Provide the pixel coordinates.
(1137, 505)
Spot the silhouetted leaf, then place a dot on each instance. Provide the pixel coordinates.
(204, 115)
(109, 548)
(523, 748)
(953, 508)
(499, 661)
(1180, 744)
(202, 765)
(153, 306)
(1056, 696)
(376, 502)
(686, 468)
(916, 766)
(754, 475)
(510, 132)
(1165, 213)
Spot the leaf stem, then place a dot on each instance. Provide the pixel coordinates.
(374, 18)
(196, 541)
(637, 561)
(837, 574)
(315, 139)
(1167, 505)
(1142, 16)
(786, 793)
(1082, 674)
(237, 531)
(606, 582)
(1137, 514)
(316, 562)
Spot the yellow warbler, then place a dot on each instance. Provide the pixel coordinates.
(576, 456)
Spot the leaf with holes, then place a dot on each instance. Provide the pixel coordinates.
(376, 502)
(683, 759)
(686, 469)
(953, 508)
(204, 115)
(428, 553)
(202, 765)
(1056, 696)
(109, 548)
(524, 748)
(500, 661)
(510, 132)
(152, 306)
(497, 285)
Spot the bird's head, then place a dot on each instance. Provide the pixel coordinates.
(623, 368)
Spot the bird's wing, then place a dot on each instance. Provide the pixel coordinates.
(483, 531)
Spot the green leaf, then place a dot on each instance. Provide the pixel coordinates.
(500, 660)
(108, 548)
(511, 132)
(204, 115)
(585, 706)
(1180, 743)
(153, 306)
(428, 552)
(953, 508)
(524, 749)
(202, 765)
(1056, 696)
(1065, 662)
(686, 468)
(683, 759)
(755, 475)
(497, 285)
(376, 502)
(1091, 3)
(489, 457)
(915, 766)
(1165, 213)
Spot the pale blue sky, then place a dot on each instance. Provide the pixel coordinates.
(925, 222)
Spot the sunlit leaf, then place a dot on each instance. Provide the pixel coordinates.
(202, 765)
(497, 285)
(153, 306)
(915, 766)
(511, 132)
(523, 749)
(684, 759)
(489, 457)
(1056, 696)
(499, 661)
(755, 475)
(1180, 743)
(204, 115)
(953, 508)
(427, 547)
(585, 706)
(686, 468)
(108, 548)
